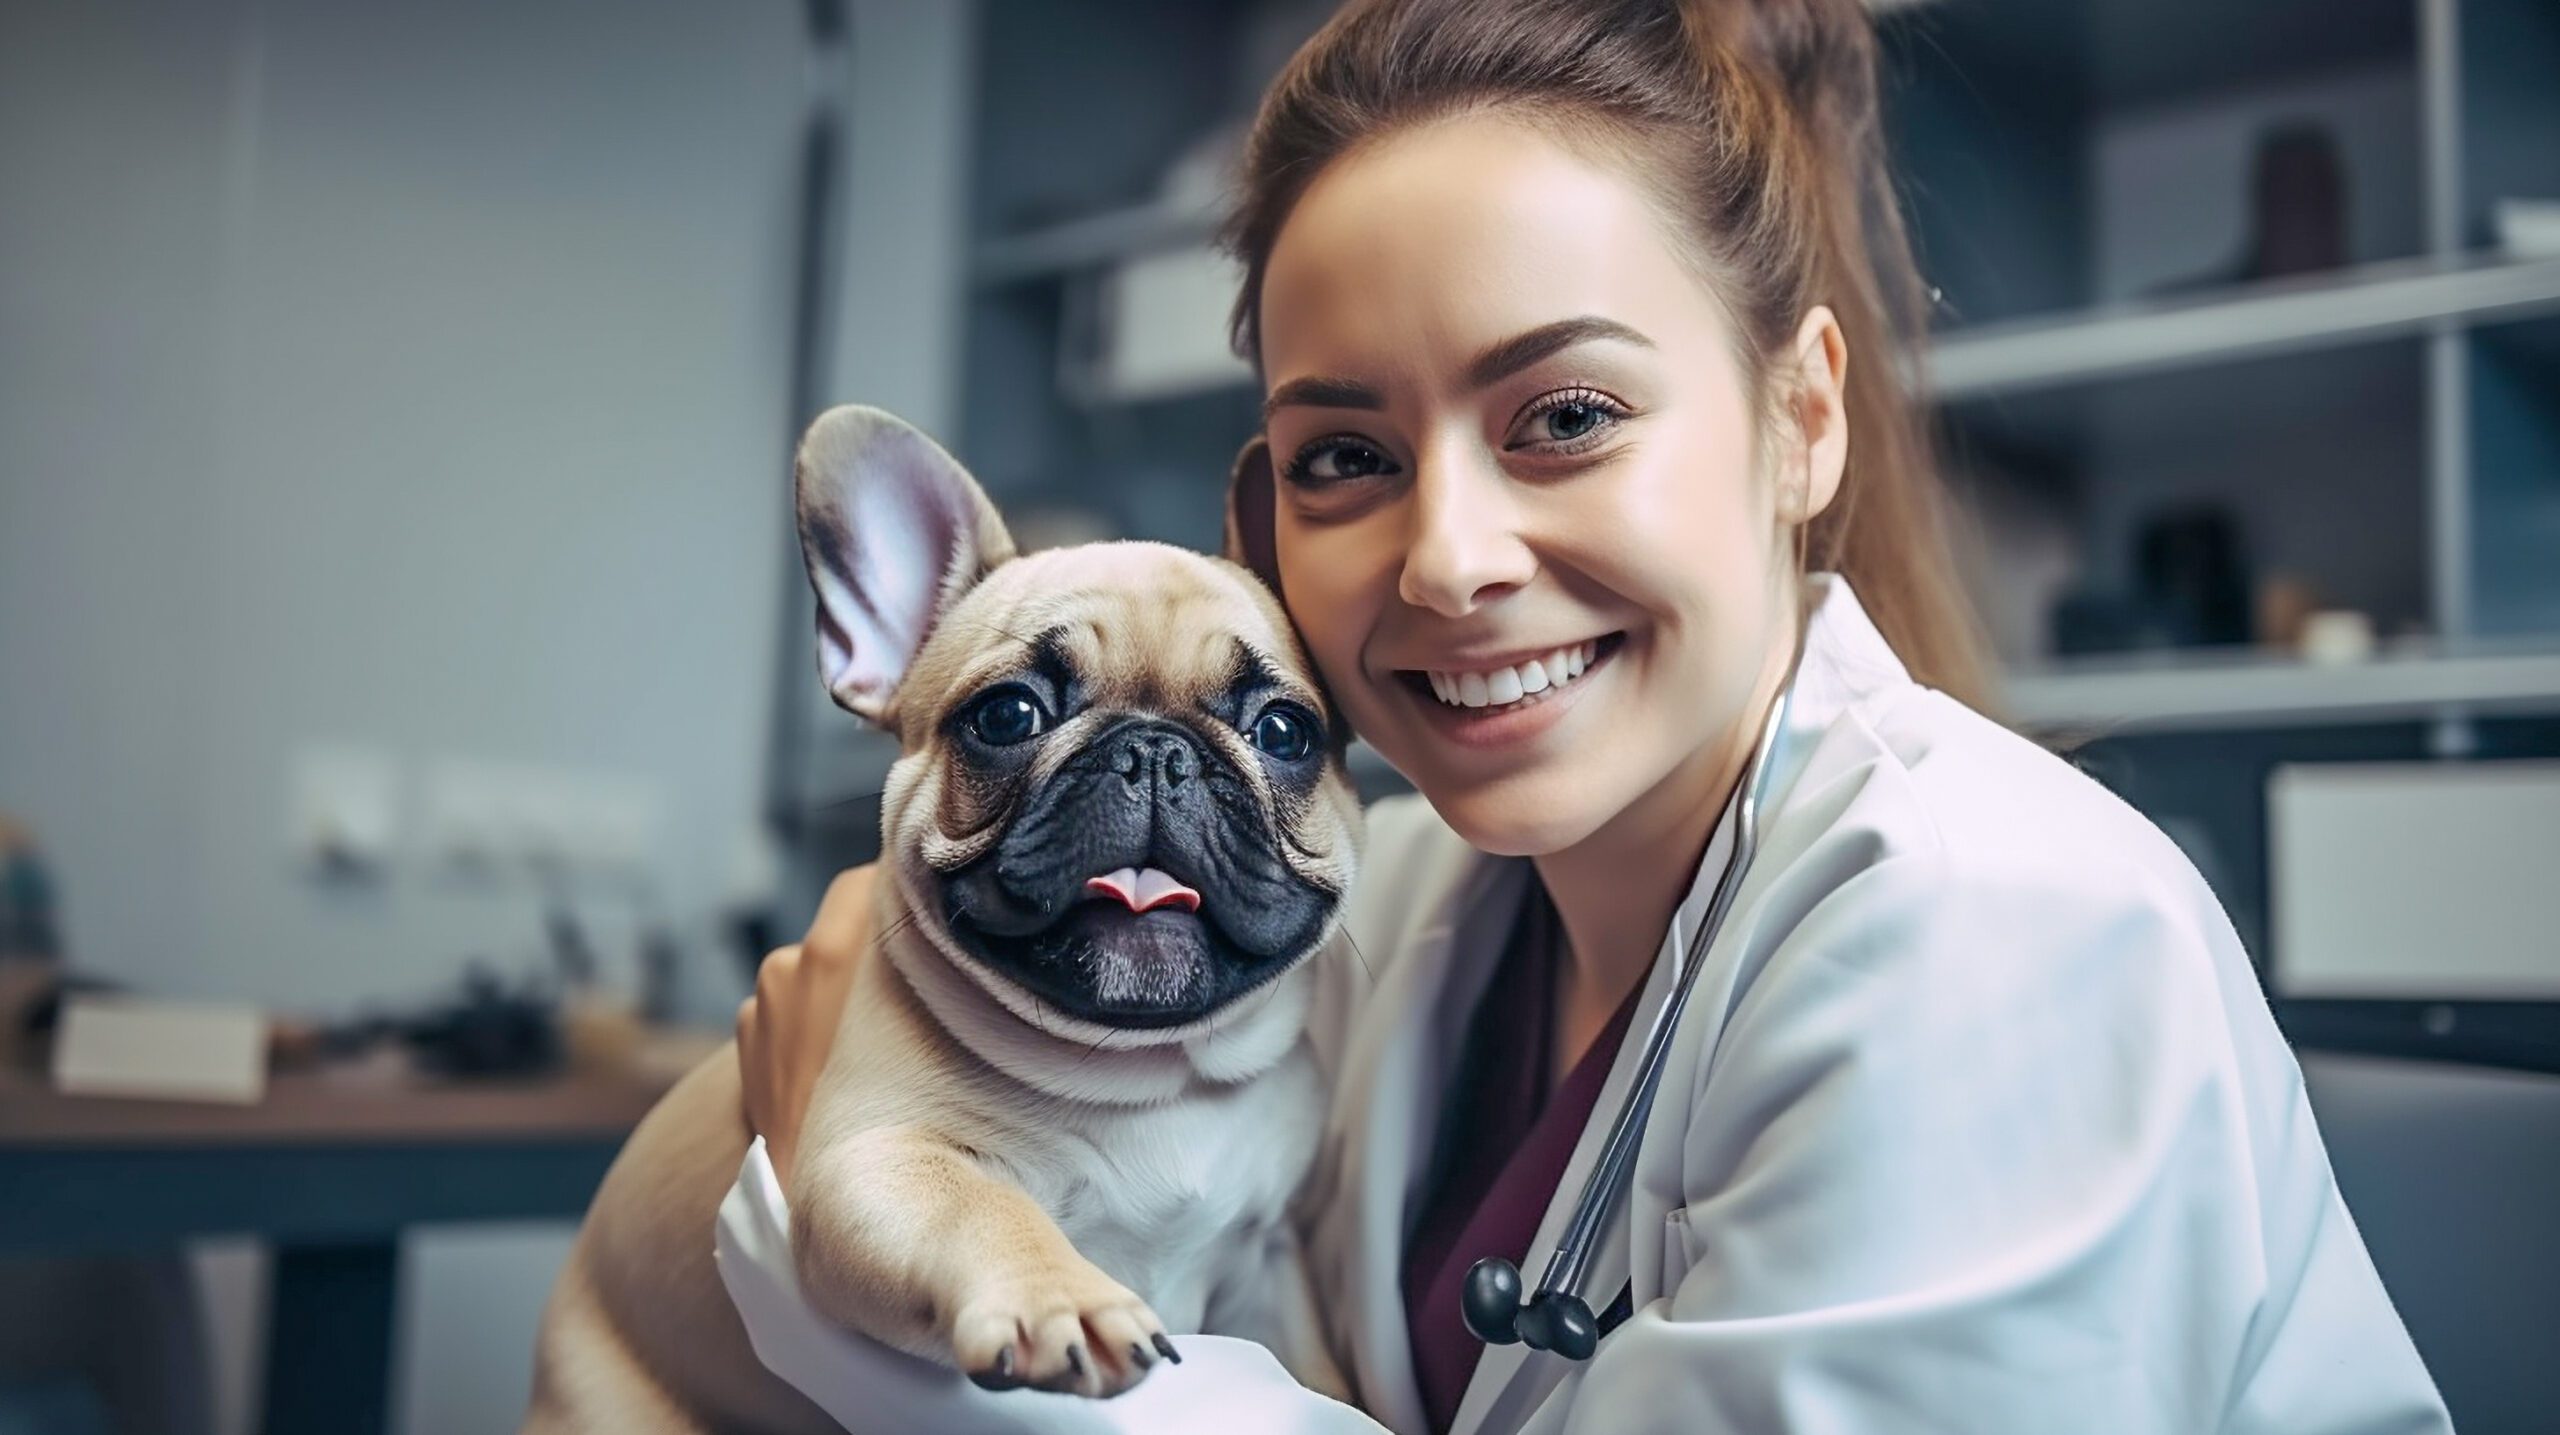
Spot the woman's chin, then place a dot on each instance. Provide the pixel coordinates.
(1526, 814)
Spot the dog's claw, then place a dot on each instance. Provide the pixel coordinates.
(1067, 1330)
(1164, 1347)
(1001, 1376)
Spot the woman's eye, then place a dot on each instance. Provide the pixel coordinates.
(1339, 460)
(1572, 421)
(1567, 422)
(1007, 716)
(1283, 732)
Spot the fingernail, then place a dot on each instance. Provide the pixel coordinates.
(1144, 1357)
(1075, 1360)
(1164, 1347)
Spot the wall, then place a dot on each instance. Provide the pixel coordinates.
(408, 377)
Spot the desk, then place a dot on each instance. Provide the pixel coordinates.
(328, 1172)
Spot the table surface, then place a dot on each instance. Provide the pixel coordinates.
(330, 1167)
(340, 1107)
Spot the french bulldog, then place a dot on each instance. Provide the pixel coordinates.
(1072, 1097)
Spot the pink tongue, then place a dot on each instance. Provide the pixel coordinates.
(1143, 889)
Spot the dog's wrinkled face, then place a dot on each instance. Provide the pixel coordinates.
(1121, 799)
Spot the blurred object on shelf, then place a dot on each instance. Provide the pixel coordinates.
(661, 964)
(2285, 602)
(2190, 589)
(2192, 571)
(162, 1050)
(1059, 525)
(489, 1029)
(1160, 317)
(2335, 637)
(2529, 228)
(28, 928)
(25, 985)
(598, 1030)
(2299, 202)
(2297, 209)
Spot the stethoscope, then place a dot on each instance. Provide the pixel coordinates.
(1556, 1317)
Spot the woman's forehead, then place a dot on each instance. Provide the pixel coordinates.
(1419, 250)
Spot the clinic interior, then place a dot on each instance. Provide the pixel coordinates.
(405, 692)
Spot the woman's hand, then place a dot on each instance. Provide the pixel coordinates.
(787, 1027)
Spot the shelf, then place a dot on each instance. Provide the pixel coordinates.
(2374, 302)
(1093, 241)
(2190, 691)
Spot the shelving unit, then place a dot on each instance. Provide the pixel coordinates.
(2393, 299)
(2386, 430)
(2190, 692)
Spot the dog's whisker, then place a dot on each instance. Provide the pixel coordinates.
(1360, 956)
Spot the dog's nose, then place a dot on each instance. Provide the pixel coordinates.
(1162, 758)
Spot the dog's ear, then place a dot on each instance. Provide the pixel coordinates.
(894, 531)
(1252, 509)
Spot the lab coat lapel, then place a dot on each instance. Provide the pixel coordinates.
(1394, 1088)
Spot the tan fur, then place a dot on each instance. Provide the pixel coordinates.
(953, 1105)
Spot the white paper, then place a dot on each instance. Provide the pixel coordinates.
(184, 1051)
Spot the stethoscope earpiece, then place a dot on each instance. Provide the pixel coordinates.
(1491, 1301)
(1558, 1321)
(1556, 1318)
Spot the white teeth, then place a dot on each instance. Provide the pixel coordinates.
(1501, 687)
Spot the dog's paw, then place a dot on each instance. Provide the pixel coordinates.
(1068, 1328)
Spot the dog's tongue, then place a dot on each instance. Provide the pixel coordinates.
(1143, 889)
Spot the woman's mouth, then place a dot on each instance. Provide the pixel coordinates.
(1476, 701)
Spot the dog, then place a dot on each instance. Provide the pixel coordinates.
(1071, 1099)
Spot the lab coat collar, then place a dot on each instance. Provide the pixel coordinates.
(1401, 1066)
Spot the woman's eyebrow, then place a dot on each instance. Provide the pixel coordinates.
(1521, 350)
(1490, 367)
(1323, 394)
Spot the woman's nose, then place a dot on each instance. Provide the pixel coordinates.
(1466, 546)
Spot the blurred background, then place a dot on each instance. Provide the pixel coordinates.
(407, 728)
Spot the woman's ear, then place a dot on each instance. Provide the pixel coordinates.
(1252, 510)
(1818, 402)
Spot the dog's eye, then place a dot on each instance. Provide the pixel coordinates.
(1284, 731)
(1007, 716)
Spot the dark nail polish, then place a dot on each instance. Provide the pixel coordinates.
(1075, 1360)
(1142, 1357)
(1164, 1347)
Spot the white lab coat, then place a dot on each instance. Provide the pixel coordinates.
(1977, 1121)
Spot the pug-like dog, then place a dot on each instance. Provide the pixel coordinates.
(1071, 1098)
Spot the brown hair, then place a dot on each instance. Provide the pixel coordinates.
(1754, 121)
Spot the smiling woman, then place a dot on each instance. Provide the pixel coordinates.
(1588, 479)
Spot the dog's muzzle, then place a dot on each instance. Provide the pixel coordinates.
(1144, 884)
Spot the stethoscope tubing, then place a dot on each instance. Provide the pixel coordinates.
(1570, 1263)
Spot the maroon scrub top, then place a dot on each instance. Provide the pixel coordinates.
(1505, 1138)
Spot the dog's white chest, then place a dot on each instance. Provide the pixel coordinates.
(1172, 1199)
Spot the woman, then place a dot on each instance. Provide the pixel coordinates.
(1576, 325)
